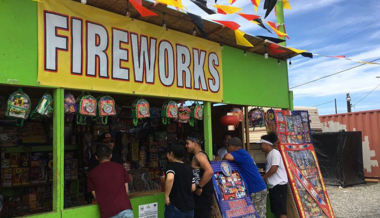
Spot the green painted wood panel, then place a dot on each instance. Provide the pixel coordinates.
(18, 42)
(254, 80)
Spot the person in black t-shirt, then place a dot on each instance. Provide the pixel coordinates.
(179, 184)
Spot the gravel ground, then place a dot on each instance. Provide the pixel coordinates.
(357, 201)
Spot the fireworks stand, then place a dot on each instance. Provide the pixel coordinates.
(68, 76)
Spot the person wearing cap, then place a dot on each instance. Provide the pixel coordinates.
(275, 175)
(107, 139)
(250, 172)
(202, 172)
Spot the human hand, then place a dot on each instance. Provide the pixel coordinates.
(167, 200)
(198, 191)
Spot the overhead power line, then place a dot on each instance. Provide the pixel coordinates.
(366, 95)
(324, 77)
(323, 103)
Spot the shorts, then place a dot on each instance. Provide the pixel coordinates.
(259, 199)
(278, 195)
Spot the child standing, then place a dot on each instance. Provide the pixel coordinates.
(179, 184)
(108, 183)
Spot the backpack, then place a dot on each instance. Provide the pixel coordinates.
(44, 107)
(87, 107)
(196, 113)
(256, 117)
(184, 114)
(106, 108)
(140, 110)
(169, 111)
(18, 106)
(71, 107)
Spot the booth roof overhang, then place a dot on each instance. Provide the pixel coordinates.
(179, 21)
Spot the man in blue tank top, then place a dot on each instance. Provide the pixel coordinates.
(248, 168)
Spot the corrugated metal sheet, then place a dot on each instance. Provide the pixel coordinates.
(368, 122)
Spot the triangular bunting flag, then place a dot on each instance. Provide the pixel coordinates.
(275, 49)
(230, 1)
(284, 31)
(307, 54)
(202, 4)
(240, 40)
(269, 5)
(254, 19)
(220, 11)
(256, 3)
(230, 24)
(275, 40)
(175, 3)
(286, 4)
(274, 28)
(249, 16)
(228, 9)
(141, 9)
(198, 21)
(298, 51)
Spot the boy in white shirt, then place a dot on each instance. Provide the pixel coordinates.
(275, 175)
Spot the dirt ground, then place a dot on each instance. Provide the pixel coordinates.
(357, 201)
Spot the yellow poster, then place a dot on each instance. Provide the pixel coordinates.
(83, 47)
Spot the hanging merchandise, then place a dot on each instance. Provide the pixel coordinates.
(270, 121)
(238, 112)
(155, 116)
(71, 106)
(106, 108)
(18, 106)
(87, 107)
(44, 107)
(256, 117)
(169, 111)
(183, 114)
(196, 113)
(228, 120)
(140, 110)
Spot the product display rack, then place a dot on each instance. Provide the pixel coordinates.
(305, 178)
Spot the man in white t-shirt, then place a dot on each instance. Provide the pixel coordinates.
(275, 175)
(223, 150)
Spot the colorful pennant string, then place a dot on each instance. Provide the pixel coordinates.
(240, 40)
(144, 12)
(274, 28)
(225, 9)
(202, 4)
(230, 24)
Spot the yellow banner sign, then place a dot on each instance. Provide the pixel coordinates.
(83, 47)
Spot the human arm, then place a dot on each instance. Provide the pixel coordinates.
(270, 172)
(229, 157)
(208, 172)
(168, 186)
(126, 188)
(93, 194)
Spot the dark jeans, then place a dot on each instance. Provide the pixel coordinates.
(172, 212)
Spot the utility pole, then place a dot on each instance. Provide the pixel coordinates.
(336, 108)
(348, 98)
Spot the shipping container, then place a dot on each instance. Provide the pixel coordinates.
(368, 122)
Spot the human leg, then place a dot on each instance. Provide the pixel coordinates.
(259, 199)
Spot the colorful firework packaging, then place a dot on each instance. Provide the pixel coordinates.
(270, 121)
(183, 114)
(140, 110)
(231, 192)
(71, 107)
(306, 180)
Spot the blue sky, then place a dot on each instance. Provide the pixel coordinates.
(328, 27)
